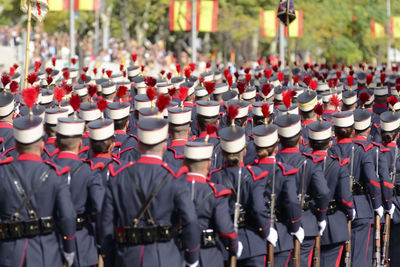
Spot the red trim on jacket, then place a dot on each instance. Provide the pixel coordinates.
(29, 157)
(67, 155)
(7, 125)
(320, 153)
(58, 171)
(102, 155)
(197, 178)
(223, 192)
(114, 172)
(51, 140)
(287, 150)
(232, 235)
(345, 141)
(178, 142)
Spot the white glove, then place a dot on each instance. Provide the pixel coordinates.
(379, 211)
(299, 234)
(354, 213)
(195, 264)
(69, 258)
(239, 250)
(322, 226)
(391, 211)
(273, 236)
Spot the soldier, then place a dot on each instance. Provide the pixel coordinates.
(132, 206)
(287, 212)
(366, 187)
(381, 97)
(86, 188)
(341, 208)
(247, 184)
(311, 184)
(7, 116)
(211, 203)
(307, 102)
(35, 203)
(179, 128)
(50, 121)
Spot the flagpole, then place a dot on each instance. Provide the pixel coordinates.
(288, 44)
(389, 34)
(72, 28)
(281, 44)
(194, 30)
(28, 40)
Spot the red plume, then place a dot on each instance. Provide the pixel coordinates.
(95, 71)
(122, 90)
(287, 97)
(75, 101)
(14, 86)
(383, 78)
(32, 78)
(334, 101)
(183, 93)
(319, 109)
(109, 73)
(208, 65)
(241, 86)
(364, 97)
(178, 68)
(335, 81)
(335, 66)
(266, 89)
(259, 61)
(53, 61)
(172, 91)
(37, 65)
(265, 110)
(325, 74)
(5, 79)
(142, 68)
(83, 77)
(247, 70)
(49, 71)
(121, 67)
(12, 71)
(169, 75)
(275, 68)
(67, 88)
(280, 76)
(232, 111)
(187, 72)
(134, 57)
(73, 60)
(162, 72)
(307, 79)
(369, 78)
(330, 84)
(192, 66)
(306, 66)
(85, 69)
(226, 72)
(248, 78)
(236, 75)
(150, 81)
(338, 74)
(151, 93)
(92, 90)
(350, 80)
(211, 128)
(201, 80)
(296, 79)
(102, 104)
(30, 96)
(313, 84)
(66, 74)
(49, 80)
(162, 102)
(210, 87)
(58, 94)
(15, 66)
(268, 73)
(397, 87)
(229, 80)
(392, 100)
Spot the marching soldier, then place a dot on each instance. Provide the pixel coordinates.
(365, 185)
(341, 208)
(311, 184)
(7, 116)
(211, 203)
(281, 200)
(133, 202)
(50, 122)
(36, 204)
(86, 188)
(246, 204)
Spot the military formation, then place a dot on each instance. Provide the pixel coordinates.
(254, 167)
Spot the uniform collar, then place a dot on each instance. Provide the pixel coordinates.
(102, 155)
(68, 155)
(329, 111)
(178, 142)
(188, 104)
(203, 135)
(120, 132)
(380, 105)
(307, 122)
(150, 159)
(320, 153)
(360, 138)
(196, 177)
(391, 144)
(85, 135)
(29, 157)
(345, 141)
(51, 140)
(267, 160)
(287, 150)
(5, 124)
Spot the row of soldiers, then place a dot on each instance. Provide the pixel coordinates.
(198, 170)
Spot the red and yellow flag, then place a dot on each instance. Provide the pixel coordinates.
(296, 27)
(395, 27)
(180, 16)
(269, 23)
(377, 29)
(81, 5)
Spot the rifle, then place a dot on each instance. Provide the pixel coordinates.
(376, 258)
(347, 257)
(386, 229)
(233, 259)
(296, 252)
(272, 206)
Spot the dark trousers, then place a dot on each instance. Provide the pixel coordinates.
(306, 251)
(283, 259)
(257, 261)
(361, 242)
(394, 245)
(331, 255)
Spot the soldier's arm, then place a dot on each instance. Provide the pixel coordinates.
(371, 180)
(386, 182)
(66, 215)
(257, 207)
(343, 194)
(292, 205)
(320, 190)
(190, 226)
(107, 222)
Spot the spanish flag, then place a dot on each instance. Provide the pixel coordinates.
(395, 27)
(296, 27)
(180, 16)
(269, 23)
(377, 29)
(81, 5)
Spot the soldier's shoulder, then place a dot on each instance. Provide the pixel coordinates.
(115, 169)
(286, 168)
(256, 172)
(219, 190)
(314, 158)
(59, 169)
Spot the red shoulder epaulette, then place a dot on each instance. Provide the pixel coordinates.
(58, 170)
(176, 153)
(259, 176)
(220, 190)
(114, 171)
(8, 150)
(83, 149)
(51, 154)
(165, 165)
(381, 147)
(182, 171)
(134, 136)
(286, 172)
(366, 148)
(98, 165)
(213, 171)
(6, 160)
(315, 158)
(377, 125)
